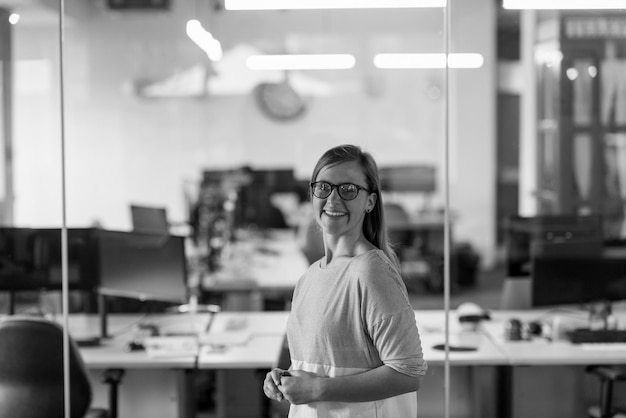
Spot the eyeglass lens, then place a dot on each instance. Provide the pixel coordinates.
(347, 191)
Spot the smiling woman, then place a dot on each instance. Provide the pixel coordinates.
(359, 356)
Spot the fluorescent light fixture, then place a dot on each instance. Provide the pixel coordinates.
(407, 61)
(329, 4)
(204, 40)
(564, 4)
(301, 62)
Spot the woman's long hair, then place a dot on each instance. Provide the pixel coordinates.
(374, 228)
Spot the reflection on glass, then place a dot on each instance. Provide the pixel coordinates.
(613, 85)
(582, 166)
(582, 81)
(615, 185)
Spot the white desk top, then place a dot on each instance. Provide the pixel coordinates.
(244, 340)
(255, 340)
(431, 325)
(111, 354)
(541, 351)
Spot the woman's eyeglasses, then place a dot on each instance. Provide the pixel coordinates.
(347, 191)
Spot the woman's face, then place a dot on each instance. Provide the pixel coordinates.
(335, 215)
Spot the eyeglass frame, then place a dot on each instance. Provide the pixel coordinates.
(337, 186)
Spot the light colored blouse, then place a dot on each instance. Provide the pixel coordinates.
(349, 318)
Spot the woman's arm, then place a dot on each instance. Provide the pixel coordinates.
(379, 383)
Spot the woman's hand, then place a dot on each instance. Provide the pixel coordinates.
(300, 387)
(271, 384)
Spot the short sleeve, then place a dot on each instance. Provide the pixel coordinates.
(389, 317)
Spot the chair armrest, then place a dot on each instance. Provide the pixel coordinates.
(613, 373)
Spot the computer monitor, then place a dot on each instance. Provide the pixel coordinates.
(30, 259)
(566, 260)
(578, 279)
(149, 219)
(408, 178)
(142, 266)
(521, 232)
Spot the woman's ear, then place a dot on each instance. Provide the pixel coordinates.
(371, 202)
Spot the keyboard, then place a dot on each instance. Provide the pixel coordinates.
(597, 336)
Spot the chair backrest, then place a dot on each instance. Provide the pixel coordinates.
(396, 219)
(31, 371)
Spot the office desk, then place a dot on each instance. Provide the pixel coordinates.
(547, 378)
(249, 340)
(500, 379)
(431, 324)
(474, 375)
(541, 351)
(150, 387)
(244, 344)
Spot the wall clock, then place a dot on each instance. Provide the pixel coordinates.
(280, 101)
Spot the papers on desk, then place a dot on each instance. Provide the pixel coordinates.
(219, 342)
(225, 338)
(171, 346)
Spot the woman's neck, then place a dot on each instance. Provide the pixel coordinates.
(345, 246)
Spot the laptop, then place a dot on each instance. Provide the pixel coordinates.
(148, 219)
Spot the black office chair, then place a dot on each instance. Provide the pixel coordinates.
(31, 372)
(608, 376)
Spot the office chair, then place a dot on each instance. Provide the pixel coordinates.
(31, 372)
(608, 375)
(395, 214)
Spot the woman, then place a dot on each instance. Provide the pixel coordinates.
(354, 344)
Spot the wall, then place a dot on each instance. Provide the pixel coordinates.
(123, 149)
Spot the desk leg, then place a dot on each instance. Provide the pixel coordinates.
(505, 391)
(484, 387)
(187, 394)
(113, 378)
(147, 393)
(239, 394)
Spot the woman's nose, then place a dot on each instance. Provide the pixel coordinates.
(334, 194)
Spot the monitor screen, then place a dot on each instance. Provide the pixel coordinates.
(576, 280)
(409, 178)
(142, 266)
(522, 232)
(149, 219)
(30, 259)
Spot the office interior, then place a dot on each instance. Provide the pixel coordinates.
(155, 187)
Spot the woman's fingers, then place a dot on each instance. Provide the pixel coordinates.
(271, 383)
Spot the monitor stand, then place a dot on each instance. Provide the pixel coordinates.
(102, 313)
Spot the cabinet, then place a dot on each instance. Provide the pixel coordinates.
(580, 62)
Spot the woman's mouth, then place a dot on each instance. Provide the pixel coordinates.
(334, 214)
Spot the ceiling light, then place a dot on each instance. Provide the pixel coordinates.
(14, 18)
(564, 4)
(329, 4)
(407, 61)
(301, 62)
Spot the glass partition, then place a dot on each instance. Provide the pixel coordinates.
(205, 145)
